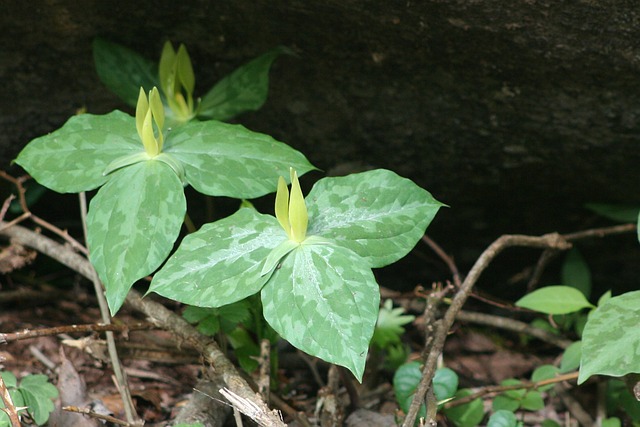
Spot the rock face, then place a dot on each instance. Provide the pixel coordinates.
(513, 114)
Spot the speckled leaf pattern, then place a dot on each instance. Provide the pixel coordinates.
(124, 71)
(243, 90)
(229, 160)
(221, 263)
(74, 157)
(611, 338)
(132, 224)
(324, 300)
(377, 214)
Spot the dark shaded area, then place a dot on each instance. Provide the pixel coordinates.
(515, 114)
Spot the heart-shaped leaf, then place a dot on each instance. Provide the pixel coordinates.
(132, 225)
(229, 160)
(74, 157)
(245, 89)
(324, 300)
(221, 263)
(377, 214)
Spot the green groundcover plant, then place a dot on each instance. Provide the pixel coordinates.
(34, 393)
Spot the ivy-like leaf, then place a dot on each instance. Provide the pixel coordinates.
(74, 157)
(124, 71)
(132, 225)
(377, 214)
(221, 159)
(324, 299)
(221, 263)
(554, 300)
(611, 338)
(245, 89)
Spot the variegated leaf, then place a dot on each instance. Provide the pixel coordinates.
(324, 299)
(221, 263)
(377, 214)
(611, 338)
(229, 160)
(132, 225)
(74, 157)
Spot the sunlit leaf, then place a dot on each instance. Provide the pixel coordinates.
(75, 157)
(377, 214)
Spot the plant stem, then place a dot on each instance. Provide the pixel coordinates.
(120, 374)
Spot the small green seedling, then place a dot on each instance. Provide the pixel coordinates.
(311, 267)
(141, 168)
(34, 392)
(124, 71)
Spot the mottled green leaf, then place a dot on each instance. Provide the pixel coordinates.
(132, 225)
(467, 415)
(377, 214)
(124, 71)
(221, 263)
(611, 338)
(555, 300)
(74, 157)
(243, 90)
(576, 273)
(324, 299)
(502, 418)
(229, 160)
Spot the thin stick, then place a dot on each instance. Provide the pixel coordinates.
(264, 381)
(547, 241)
(90, 413)
(513, 325)
(497, 389)
(453, 268)
(9, 407)
(94, 327)
(121, 376)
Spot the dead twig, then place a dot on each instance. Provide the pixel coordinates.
(513, 325)
(68, 329)
(9, 407)
(547, 241)
(497, 389)
(18, 182)
(90, 413)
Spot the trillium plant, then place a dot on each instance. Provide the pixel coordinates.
(124, 71)
(141, 168)
(310, 264)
